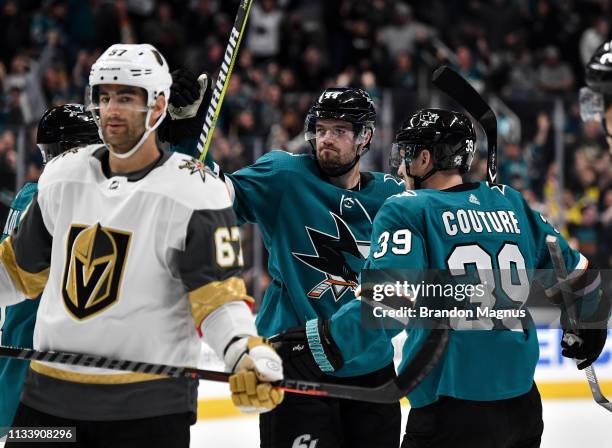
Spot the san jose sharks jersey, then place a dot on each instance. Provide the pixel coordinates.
(317, 236)
(18, 324)
(468, 226)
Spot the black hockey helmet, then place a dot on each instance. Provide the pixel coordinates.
(65, 127)
(348, 104)
(342, 103)
(598, 72)
(447, 134)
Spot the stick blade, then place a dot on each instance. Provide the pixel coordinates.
(455, 86)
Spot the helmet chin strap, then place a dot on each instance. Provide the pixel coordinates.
(418, 180)
(145, 134)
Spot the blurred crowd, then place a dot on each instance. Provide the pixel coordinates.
(529, 53)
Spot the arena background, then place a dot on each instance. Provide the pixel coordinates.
(525, 56)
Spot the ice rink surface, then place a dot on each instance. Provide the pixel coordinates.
(567, 424)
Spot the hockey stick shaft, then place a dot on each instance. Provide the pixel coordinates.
(456, 87)
(561, 272)
(387, 393)
(227, 66)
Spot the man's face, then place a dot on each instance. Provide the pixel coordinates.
(122, 116)
(419, 166)
(335, 143)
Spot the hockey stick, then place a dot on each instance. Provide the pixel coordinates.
(390, 392)
(561, 271)
(231, 51)
(456, 87)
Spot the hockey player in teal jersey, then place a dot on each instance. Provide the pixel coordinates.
(61, 128)
(315, 214)
(482, 393)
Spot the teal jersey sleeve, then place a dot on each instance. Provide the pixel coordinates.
(19, 204)
(258, 188)
(395, 244)
(18, 325)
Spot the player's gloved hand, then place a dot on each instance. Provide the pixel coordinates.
(308, 352)
(255, 365)
(584, 344)
(189, 99)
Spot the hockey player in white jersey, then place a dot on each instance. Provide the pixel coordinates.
(130, 246)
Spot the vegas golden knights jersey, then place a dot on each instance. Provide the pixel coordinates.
(129, 267)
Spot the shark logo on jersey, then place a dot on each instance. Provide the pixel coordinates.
(338, 256)
(93, 272)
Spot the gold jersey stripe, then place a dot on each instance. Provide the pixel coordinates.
(30, 284)
(211, 296)
(74, 377)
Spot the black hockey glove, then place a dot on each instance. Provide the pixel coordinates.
(189, 100)
(587, 342)
(585, 345)
(296, 350)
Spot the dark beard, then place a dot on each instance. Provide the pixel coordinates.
(334, 169)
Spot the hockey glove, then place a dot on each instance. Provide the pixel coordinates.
(308, 352)
(189, 100)
(584, 345)
(255, 365)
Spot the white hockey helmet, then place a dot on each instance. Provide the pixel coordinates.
(137, 65)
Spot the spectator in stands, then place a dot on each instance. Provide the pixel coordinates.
(554, 75)
(404, 33)
(593, 37)
(403, 74)
(264, 33)
(513, 168)
(522, 80)
(26, 75)
(470, 68)
(166, 34)
(13, 30)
